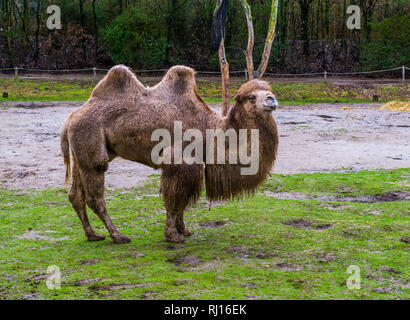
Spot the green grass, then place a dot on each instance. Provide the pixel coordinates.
(45, 90)
(254, 255)
(287, 92)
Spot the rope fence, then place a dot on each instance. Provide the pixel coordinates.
(324, 74)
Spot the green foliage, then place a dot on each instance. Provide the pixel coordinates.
(133, 39)
(160, 33)
(389, 47)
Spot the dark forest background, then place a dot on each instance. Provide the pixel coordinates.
(311, 35)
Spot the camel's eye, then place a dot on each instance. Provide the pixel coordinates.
(252, 98)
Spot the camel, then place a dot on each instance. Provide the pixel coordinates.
(118, 121)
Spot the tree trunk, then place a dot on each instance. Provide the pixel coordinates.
(7, 12)
(326, 19)
(26, 26)
(81, 5)
(95, 21)
(37, 34)
(368, 10)
(225, 78)
(269, 39)
(251, 40)
(282, 21)
(304, 24)
(224, 65)
(344, 20)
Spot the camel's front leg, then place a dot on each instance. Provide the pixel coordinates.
(180, 224)
(171, 229)
(180, 186)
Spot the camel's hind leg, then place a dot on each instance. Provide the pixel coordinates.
(76, 196)
(180, 186)
(94, 189)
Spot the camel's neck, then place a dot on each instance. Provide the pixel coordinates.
(224, 181)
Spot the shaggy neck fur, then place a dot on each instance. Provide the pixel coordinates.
(224, 181)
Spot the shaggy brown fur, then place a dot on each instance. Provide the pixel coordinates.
(118, 120)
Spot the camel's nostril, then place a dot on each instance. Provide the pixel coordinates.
(271, 102)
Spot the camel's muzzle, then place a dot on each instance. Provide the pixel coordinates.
(270, 104)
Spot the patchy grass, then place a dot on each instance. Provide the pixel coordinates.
(355, 183)
(261, 248)
(46, 90)
(287, 92)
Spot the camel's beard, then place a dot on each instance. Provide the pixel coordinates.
(235, 165)
(220, 147)
(232, 153)
(225, 181)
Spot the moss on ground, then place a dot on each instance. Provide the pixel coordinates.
(260, 248)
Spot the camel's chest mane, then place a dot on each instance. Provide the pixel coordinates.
(225, 181)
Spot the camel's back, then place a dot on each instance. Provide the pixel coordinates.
(120, 99)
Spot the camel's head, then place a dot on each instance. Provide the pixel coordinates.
(257, 96)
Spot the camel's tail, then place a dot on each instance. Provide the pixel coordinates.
(65, 150)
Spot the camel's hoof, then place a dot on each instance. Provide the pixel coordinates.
(174, 237)
(96, 237)
(121, 238)
(187, 232)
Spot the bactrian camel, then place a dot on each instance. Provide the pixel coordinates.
(118, 121)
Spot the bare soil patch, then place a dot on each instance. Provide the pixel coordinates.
(286, 266)
(125, 286)
(213, 224)
(245, 252)
(36, 235)
(370, 198)
(189, 260)
(83, 282)
(308, 224)
(89, 262)
(313, 138)
(405, 240)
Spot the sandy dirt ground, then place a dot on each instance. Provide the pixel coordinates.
(316, 138)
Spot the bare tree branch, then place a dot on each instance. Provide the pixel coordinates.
(251, 39)
(224, 65)
(269, 39)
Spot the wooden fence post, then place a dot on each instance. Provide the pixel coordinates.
(94, 72)
(403, 74)
(16, 72)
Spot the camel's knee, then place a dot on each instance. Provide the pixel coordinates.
(95, 204)
(72, 196)
(76, 198)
